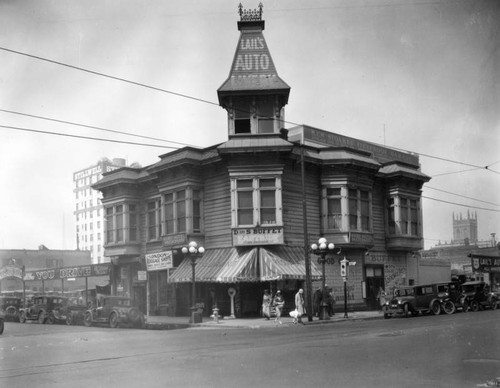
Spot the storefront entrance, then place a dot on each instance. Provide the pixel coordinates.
(374, 282)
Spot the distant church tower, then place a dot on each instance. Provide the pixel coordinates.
(465, 229)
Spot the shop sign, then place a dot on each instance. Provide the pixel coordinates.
(69, 272)
(486, 264)
(361, 238)
(258, 236)
(174, 239)
(11, 272)
(142, 276)
(159, 261)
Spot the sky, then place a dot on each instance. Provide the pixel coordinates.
(418, 75)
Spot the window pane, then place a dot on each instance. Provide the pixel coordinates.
(245, 216)
(333, 191)
(267, 198)
(334, 213)
(245, 199)
(244, 183)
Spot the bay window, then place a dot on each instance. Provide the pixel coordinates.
(121, 223)
(153, 216)
(347, 208)
(403, 215)
(183, 211)
(256, 201)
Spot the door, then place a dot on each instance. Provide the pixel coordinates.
(374, 281)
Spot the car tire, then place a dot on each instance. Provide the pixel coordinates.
(42, 318)
(2, 325)
(474, 305)
(87, 319)
(22, 317)
(113, 320)
(449, 307)
(436, 308)
(494, 304)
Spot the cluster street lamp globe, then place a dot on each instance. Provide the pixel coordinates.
(321, 249)
(193, 251)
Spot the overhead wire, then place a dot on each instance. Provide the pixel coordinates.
(459, 195)
(210, 102)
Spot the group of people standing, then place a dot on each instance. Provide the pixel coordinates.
(278, 302)
(328, 301)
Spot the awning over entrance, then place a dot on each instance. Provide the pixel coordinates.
(283, 262)
(232, 265)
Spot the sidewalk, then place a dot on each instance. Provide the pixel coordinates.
(171, 323)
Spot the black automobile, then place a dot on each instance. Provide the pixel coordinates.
(477, 295)
(10, 305)
(42, 309)
(115, 310)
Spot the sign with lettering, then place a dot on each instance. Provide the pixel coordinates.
(252, 56)
(11, 272)
(361, 238)
(258, 236)
(174, 239)
(485, 264)
(159, 261)
(69, 272)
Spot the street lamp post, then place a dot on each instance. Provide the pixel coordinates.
(321, 249)
(193, 251)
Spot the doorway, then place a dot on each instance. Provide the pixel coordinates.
(374, 281)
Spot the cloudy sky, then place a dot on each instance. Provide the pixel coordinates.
(418, 75)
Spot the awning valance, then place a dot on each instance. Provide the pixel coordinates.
(249, 264)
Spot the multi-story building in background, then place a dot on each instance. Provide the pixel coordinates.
(88, 208)
(465, 229)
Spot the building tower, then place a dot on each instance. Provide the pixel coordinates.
(88, 208)
(465, 229)
(253, 94)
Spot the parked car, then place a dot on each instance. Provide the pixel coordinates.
(477, 295)
(68, 311)
(42, 309)
(429, 298)
(10, 305)
(115, 310)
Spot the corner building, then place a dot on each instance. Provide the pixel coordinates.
(242, 200)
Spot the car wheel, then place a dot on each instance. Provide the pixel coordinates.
(1, 326)
(113, 321)
(87, 319)
(449, 307)
(41, 318)
(69, 319)
(474, 306)
(436, 308)
(494, 304)
(22, 317)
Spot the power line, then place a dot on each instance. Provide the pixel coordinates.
(213, 103)
(93, 127)
(461, 204)
(463, 196)
(86, 137)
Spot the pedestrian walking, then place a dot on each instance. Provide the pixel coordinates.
(299, 306)
(278, 302)
(330, 301)
(381, 297)
(266, 304)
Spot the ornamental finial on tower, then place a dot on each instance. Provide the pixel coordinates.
(250, 15)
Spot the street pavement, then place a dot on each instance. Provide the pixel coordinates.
(170, 323)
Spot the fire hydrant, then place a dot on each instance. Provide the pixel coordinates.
(215, 315)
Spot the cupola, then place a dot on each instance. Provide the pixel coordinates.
(253, 95)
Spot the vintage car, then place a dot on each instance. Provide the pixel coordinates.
(10, 305)
(68, 311)
(429, 298)
(477, 295)
(115, 310)
(42, 309)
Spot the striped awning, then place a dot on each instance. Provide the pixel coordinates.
(222, 265)
(245, 264)
(282, 262)
(241, 267)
